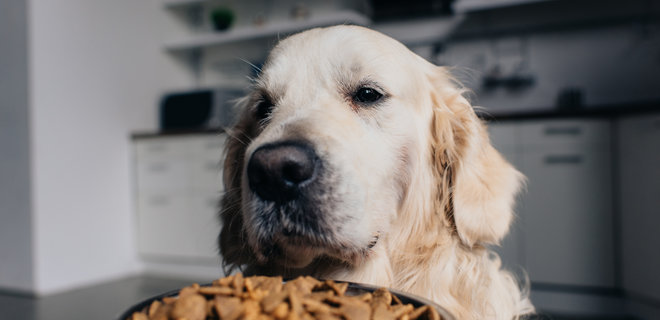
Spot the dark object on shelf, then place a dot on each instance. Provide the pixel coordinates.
(299, 12)
(222, 18)
(198, 110)
(386, 10)
(569, 99)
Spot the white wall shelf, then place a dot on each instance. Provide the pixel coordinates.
(463, 6)
(270, 29)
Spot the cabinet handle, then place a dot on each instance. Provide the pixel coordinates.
(565, 131)
(563, 159)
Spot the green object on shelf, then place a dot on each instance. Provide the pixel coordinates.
(222, 18)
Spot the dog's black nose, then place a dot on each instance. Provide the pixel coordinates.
(277, 171)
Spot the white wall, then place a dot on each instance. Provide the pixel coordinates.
(96, 73)
(15, 220)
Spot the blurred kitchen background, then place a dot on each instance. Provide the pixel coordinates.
(110, 140)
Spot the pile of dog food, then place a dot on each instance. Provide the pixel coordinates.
(238, 297)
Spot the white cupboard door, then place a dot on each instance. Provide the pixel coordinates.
(205, 224)
(165, 174)
(206, 163)
(639, 156)
(568, 216)
(178, 188)
(162, 224)
(505, 138)
(206, 173)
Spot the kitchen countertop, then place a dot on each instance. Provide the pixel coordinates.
(103, 301)
(611, 111)
(596, 112)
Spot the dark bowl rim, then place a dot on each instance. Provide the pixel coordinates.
(406, 298)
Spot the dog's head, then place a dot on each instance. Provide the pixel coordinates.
(342, 125)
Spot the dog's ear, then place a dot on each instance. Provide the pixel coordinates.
(233, 240)
(477, 186)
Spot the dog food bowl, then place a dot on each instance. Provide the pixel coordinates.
(353, 289)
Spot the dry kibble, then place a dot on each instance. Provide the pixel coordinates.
(381, 311)
(270, 302)
(228, 308)
(281, 311)
(356, 310)
(401, 309)
(139, 316)
(162, 313)
(295, 300)
(383, 296)
(315, 306)
(251, 310)
(189, 307)
(169, 300)
(154, 307)
(270, 284)
(213, 290)
(269, 298)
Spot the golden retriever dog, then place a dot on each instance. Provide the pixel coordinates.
(355, 159)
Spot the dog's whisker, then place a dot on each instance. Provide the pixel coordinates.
(256, 68)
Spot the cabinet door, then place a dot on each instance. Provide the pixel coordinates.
(206, 162)
(204, 225)
(568, 215)
(178, 189)
(639, 156)
(162, 225)
(505, 138)
(161, 164)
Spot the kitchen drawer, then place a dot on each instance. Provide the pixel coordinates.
(547, 133)
(161, 148)
(208, 146)
(163, 174)
(206, 173)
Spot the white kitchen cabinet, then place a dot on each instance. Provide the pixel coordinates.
(563, 234)
(639, 177)
(505, 138)
(568, 207)
(178, 187)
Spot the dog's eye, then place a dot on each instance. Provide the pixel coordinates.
(367, 95)
(264, 108)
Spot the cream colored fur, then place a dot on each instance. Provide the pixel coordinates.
(419, 171)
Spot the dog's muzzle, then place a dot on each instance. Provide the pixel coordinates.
(278, 171)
